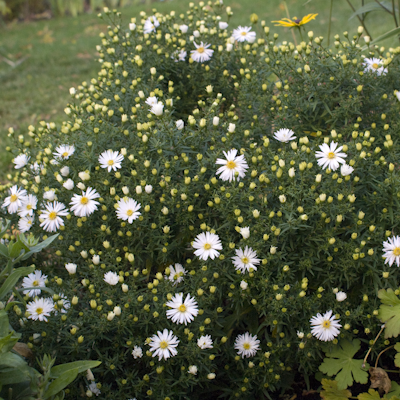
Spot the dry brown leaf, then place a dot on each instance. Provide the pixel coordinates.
(23, 350)
(380, 380)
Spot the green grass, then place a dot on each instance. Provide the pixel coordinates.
(61, 53)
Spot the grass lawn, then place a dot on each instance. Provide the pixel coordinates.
(61, 53)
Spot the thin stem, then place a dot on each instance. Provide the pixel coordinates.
(377, 359)
(330, 22)
(361, 21)
(386, 9)
(394, 14)
(288, 16)
(369, 351)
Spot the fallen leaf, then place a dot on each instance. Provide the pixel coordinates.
(23, 350)
(379, 380)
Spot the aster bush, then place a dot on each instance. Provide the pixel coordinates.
(227, 207)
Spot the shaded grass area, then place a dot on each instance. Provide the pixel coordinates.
(61, 53)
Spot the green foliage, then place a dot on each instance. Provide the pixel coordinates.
(389, 312)
(330, 391)
(371, 395)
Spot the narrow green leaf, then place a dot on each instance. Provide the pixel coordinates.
(372, 7)
(81, 366)
(387, 35)
(11, 360)
(10, 282)
(60, 383)
(4, 323)
(40, 246)
(7, 343)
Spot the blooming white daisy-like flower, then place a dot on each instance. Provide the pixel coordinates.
(205, 342)
(137, 352)
(330, 156)
(243, 34)
(179, 55)
(69, 184)
(28, 205)
(25, 223)
(150, 25)
(128, 209)
(111, 160)
(245, 260)
(176, 273)
(183, 28)
(33, 280)
(182, 312)
(112, 278)
(49, 195)
(157, 109)
(71, 268)
(325, 327)
(62, 304)
(20, 161)
(64, 151)
(94, 389)
(164, 344)
(192, 370)
(375, 65)
(151, 101)
(14, 201)
(346, 170)
(202, 52)
(233, 167)
(391, 250)
(39, 309)
(341, 296)
(84, 205)
(207, 245)
(284, 135)
(247, 345)
(52, 216)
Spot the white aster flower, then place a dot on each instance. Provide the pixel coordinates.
(346, 170)
(245, 260)
(330, 156)
(325, 327)
(69, 184)
(196, 33)
(39, 309)
(28, 205)
(64, 171)
(81, 185)
(137, 352)
(25, 223)
(192, 370)
(176, 273)
(183, 28)
(375, 65)
(84, 176)
(207, 245)
(391, 250)
(202, 52)
(300, 335)
(132, 26)
(64, 151)
(397, 95)
(62, 304)
(164, 344)
(71, 268)
(182, 312)
(96, 259)
(205, 342)
(245, 232)
(243, 285)
(52, 216)
(112, 278)
(20, 161)
(233, 167)
(150, 25)
(341, 296)
(247, 345)
(148, 189)
(157, 109)
(151, 101)
(84, 205)
(242, 34)
(94, 389)
(179, 55)
(111, 160)
(211, 376)
(128, 209)
(284, 135)
(33, 280)
(49, 195)
(180, 124)
(15, 200)
(222, 25)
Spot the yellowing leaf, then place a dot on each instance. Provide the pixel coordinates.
(371, 395)
(331, 392)
(340, 362)
(389, 312)
(397, 356)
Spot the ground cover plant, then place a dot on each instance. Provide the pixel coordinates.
(227, 208)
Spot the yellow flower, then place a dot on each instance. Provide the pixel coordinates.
(295, 22)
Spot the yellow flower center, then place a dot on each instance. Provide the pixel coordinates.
(200, 50)
(110, 162)
(182, 308)
(231, 164)
(245, 260)
(53, 215)
(331, 155)
(13, 198)
(163, 344)
(207, 246)
(326, 324)
(129, 213)
(396, 252)
(29, 206)
(84, 200)
(39, 310)
(243, 33)
(35, 283)
(375, 65)
(246, 346)
(65, 154)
